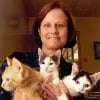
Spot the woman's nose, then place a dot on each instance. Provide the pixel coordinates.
(54, 29)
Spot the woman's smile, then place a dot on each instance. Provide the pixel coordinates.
(53, 37)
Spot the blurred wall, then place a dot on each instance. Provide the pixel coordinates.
(13, 28)
(15, 33)
(89, 32)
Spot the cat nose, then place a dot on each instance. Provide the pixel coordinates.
(2, 85)
(81, 89)
(46, 68)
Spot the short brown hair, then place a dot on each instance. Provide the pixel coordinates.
(71, 29)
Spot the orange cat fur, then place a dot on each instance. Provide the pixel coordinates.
(21, 79)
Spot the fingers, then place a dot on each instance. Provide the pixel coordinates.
(48, 93)
(47, 90)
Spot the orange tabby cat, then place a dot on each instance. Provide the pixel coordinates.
(22, 79)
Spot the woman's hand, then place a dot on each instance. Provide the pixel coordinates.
(47, 90)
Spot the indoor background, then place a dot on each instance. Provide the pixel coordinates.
(17, 18)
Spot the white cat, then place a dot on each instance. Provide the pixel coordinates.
(49, 65)
(80, 82)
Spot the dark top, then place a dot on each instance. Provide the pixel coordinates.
(31, 58)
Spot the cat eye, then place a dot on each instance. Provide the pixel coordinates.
(7, 79)
(86, 85)
(50, 63)
(19, 67)
(43, 62)
(77, 82)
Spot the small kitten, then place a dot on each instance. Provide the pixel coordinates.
(49, 65)
(21, 79)
(80, 82)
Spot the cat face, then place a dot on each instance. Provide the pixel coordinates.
(12, 76)
(82, 84)
(83, 81)
(7, 83)
(9, 79)
(49, 63)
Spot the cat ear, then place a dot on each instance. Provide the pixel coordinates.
(58, 53)
(16, 63)
(57, 56)
(8, 61)
(95, 77)
(75, 69)
(40, 53)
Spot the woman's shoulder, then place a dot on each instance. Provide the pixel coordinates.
(29, 58)
(24, 56)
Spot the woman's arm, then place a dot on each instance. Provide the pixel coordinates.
(48, 93)
(65, 90)
(47, 90)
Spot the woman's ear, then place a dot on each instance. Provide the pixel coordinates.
(39, 31)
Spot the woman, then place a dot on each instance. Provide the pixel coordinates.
(53, 30)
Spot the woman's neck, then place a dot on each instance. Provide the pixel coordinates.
(49, 51)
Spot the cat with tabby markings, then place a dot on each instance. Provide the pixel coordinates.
(21, 79)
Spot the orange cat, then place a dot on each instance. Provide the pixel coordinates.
(22, 79)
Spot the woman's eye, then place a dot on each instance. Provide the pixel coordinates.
(60, 25)
(47, 25)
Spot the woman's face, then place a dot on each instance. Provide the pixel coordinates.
(53, 30)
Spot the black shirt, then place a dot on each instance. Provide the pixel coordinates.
(31, 58)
